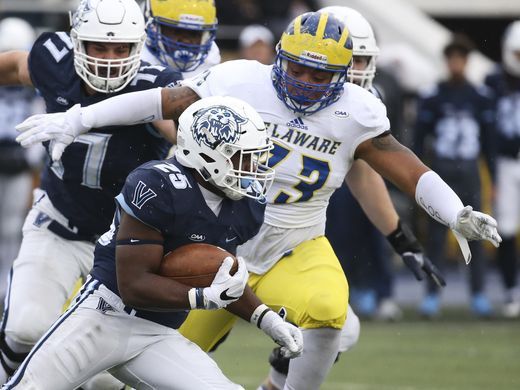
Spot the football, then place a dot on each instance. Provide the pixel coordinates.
(195, 264)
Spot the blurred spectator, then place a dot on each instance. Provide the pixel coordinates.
(457, 118)
(257, 43)
(505, 83)
(16, 163)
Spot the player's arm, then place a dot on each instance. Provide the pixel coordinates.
(402, 167)
(139, 253)
(14, 68)
(370, 190)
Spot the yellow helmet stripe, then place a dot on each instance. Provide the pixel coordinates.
(320, 31)
(297, 25)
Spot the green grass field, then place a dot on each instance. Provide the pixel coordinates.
(453, 354)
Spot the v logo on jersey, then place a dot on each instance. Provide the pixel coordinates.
(298, 124)
(142, 194)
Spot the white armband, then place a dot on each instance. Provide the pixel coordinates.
(126, 109)
(438, 199)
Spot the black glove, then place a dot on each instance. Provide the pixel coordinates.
(406, 245)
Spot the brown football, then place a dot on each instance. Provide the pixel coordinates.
(195, 264)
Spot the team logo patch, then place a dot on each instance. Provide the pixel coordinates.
(217, 123)
(142, 194)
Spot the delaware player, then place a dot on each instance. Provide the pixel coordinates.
(320, 125)
(181, 34)
(126, 315)
(100, 58)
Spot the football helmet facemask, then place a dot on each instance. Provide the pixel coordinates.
(364, 43)
(316, 40)
(225, 140)
(197, 16)
(107, 21)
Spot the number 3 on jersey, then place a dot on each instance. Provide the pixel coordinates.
(313, 175)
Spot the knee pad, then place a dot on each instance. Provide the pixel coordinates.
(324, 310)
(27, 325)
(350, 332)
(104, 381)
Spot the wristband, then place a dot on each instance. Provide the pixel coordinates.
(258, 314)
(403, 240)
(196, 298)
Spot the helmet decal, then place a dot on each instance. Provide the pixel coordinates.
(217, 124)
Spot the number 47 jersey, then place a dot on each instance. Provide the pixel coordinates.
(312, 154)
(92, 170)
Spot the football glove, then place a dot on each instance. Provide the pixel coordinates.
(224, 289)
(59, 128)
(408, 247)
(285, 334)
(474, 225)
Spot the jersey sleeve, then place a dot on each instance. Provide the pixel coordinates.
(50, 62)
(222, 79)
(144, 198)
(153, 76)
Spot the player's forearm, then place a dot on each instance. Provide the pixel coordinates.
(14, 68)
(246, 305)
(370, 190)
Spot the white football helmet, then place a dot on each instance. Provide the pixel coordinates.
(511, 49)
(107, 21)
(225, 140)
(15, 34)
(364, 42)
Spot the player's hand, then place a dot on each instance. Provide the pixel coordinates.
(59, 128)
(408, 247)
(288, 336)
(474, 225)
(226, 289)
(419, 263)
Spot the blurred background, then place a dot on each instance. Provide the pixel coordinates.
(417, 349)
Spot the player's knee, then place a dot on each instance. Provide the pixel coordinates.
(325, 310)
(28, 325)
(103, 381)
(350, 332)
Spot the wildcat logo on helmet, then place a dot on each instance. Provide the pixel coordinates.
(217, 124)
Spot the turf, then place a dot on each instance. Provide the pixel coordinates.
(455, 354)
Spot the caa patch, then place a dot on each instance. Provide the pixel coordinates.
(217, 123)
(142, 194)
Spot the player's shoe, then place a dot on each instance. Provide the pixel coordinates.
(365, 303)
(388, 310)
(511, 309)
(430, 306)
(480, 305)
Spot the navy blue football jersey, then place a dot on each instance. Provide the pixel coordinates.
(460, 119)
(93, 168)
(506, 95)
(166, 196)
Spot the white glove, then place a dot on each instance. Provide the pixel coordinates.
(224, 289)
(60, 128)
(288, 336)
(474, 225)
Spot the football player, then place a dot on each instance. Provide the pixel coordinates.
(74, 206)
(505, 85)
(181, 34)
(320, 125)
(126, 315)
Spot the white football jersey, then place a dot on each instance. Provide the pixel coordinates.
(212, 59)
(312, 153)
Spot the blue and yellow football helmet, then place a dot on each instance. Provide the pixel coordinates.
(192, 15)
(320, 41)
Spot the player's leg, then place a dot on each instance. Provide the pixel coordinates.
(507, 209)
(43, 276)
(311, 287)
(81, 343)
(14, 198)
(206, 327)
(173, 363)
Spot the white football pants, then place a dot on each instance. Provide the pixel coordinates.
(507, 202)
(96, 334)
